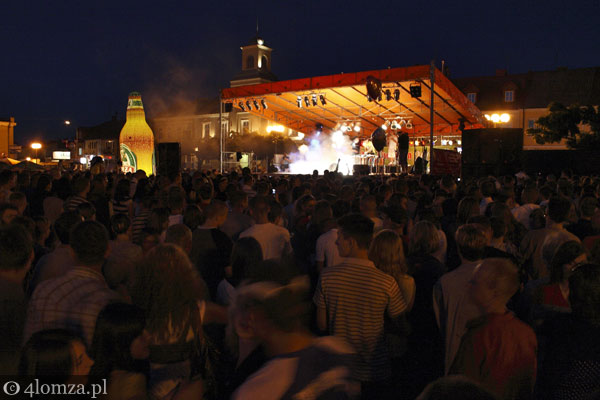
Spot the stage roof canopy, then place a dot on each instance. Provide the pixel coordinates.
(346, 102)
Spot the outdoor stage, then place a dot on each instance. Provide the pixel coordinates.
(334, 111)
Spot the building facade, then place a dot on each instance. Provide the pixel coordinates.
(525, 97)
(7, 137)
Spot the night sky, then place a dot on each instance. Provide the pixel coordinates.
(79, 60)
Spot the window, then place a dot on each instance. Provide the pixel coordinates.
(225, 128)
(472, 97)
(245, 126)
(264, 64)
(249, 62)
(205, 130)
(509, 96)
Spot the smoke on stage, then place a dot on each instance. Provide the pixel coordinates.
(323, 152)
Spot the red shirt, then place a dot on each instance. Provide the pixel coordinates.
(499, 351)
(552, 296)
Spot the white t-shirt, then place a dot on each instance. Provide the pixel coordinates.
(274, 240)
(327, 251)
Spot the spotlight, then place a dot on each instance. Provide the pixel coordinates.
(415, 90)
(248, 105)
(264, 104)
(241, 105)
(388, 95)
(409, 125)
(299, 102)
(396, 94)
(394, 125)
(450, 142)
(256, 104)
(306, 101)
(357, 128)
(319, 128)
(322, 97)
(314, 99)
(384, 127)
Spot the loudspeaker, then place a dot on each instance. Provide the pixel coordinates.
(169, 158)
(359, 169)
(492, 146)
(496, 151)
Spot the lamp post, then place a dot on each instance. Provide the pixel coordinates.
(36, 146)
(498, 118)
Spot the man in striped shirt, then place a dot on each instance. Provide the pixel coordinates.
(353, 297)
(81, 187)
(74, 300)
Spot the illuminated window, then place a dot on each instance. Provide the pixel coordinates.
(264, 63)
(509, 96)
(245, 126)
(225, 127)
(472, 97)
(249, 62)
(205, 130)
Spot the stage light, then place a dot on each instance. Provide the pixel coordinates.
(314, 99)
(303, 149)
(395, 125)
(322, 97)
(409, 125)
(275, 128)
(416, 142)
(415, 90)
(459, 142)
(299, 102)
(388, 95)
(357, 128)
(487, 116)
(504, 118)
(449, 142)
(396, 94)
(248, 105)
(264, 104)
(495, 118)
(384, 127)
(256, 105)
(241, 105)
(444, 142)
(306, 101)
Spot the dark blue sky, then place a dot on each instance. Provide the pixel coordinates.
(78, 60)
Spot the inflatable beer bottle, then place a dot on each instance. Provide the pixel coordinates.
(136, 140)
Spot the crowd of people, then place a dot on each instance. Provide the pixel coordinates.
(210, 285)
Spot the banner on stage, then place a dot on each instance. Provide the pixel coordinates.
(446, 162)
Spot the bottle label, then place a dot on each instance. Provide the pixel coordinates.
(128, 159)
(134, 103)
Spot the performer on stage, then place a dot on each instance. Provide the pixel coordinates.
(403, 151)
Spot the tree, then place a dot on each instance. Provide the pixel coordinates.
(565, 123)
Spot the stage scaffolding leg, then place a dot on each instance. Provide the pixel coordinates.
(432, 78)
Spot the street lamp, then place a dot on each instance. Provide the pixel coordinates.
(36, 146)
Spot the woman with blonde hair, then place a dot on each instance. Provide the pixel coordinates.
(387, 253)
(166, 288)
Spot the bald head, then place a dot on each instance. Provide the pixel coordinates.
(494, 283)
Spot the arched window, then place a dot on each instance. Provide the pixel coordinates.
(249, 62)
(264, 63)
